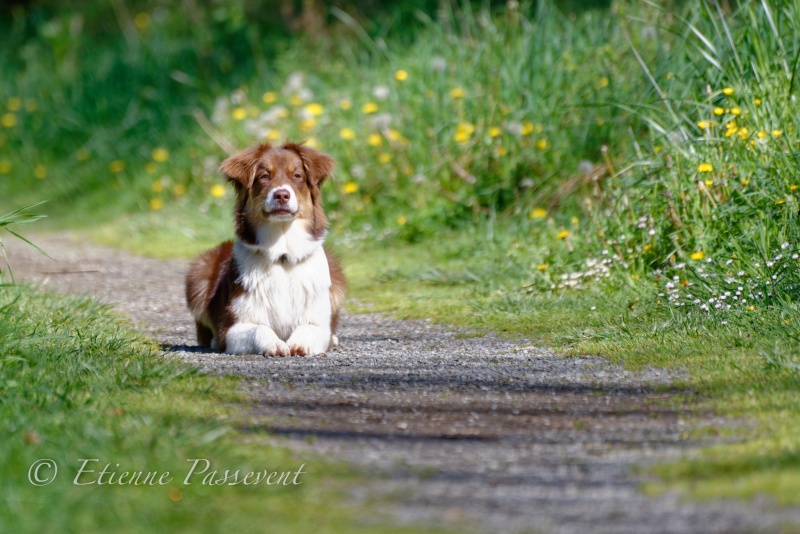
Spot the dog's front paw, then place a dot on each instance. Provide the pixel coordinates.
(276, 348)
(309, 341)
(298, 349)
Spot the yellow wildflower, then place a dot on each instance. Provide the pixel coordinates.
(239, 113)
(718, 111)
(296, 100)
(494, 131)
(703, 125)
(385, 158)
(735, 111)
(394, 135)
(792, 187)
(218, 191)
(709, 183)
(542, 143)
(269, 97)
(160, 155)
(743, 133)
(537, 213)
(307, 125)
(757, 101)
(179, 190)
(374, 140)
(527, 128)
(315, 109)
(348, 134)
(141, 21)
(402, 220)
(781, 201)
(728, 91)
(501, 151)
(541, 267)
(156, 204)
(699, 255)
(563, 234)
(463, 132)
(777, 133)
(9, 120)
(116, 166)
(744, 181)
(602, 83)
(273, 135)
(82, 154)
(401, 75)
(457, 92)
(5, 166)
(705, 167)
(345, 104)
(349, 188)
(150, 168)
(14, 103)
(647, 247)
(574, 220)
(369, 107)
(761, 134)
(40, 172)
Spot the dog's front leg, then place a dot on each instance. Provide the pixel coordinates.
(247, 338)
(309, 340)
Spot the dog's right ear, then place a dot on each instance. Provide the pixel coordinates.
(240, 169)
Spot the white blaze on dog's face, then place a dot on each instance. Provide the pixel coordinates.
(278, 185)
(280, 191)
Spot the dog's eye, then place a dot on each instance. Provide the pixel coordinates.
(264, 176)
(297, 176)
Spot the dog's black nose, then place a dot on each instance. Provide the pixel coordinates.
(282, 196)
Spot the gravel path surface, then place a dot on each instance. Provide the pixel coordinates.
(478, 433)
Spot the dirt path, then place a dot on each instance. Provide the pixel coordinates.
(453, 429)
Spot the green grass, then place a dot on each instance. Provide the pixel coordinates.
(617, 181)
(76, 384)
(748, 368)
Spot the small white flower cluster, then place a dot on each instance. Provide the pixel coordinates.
(715, 286)
(353, 238)
(596, 269)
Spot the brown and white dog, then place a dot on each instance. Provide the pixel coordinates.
(274, 290)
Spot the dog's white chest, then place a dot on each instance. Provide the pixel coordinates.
(282, 295)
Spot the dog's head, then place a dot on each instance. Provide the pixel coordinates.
(278, 185)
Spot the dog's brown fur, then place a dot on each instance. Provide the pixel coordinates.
(212, 281)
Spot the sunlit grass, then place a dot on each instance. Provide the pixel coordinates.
(77, 384)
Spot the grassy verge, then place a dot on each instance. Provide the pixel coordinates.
(745, 366)
(77, 384)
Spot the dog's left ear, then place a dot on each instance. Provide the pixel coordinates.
(318, 165)
(241, 168)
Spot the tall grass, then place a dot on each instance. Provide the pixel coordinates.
(639, 142)
(7, 223)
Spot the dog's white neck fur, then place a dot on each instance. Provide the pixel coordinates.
(286, 299)
(287, 241)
